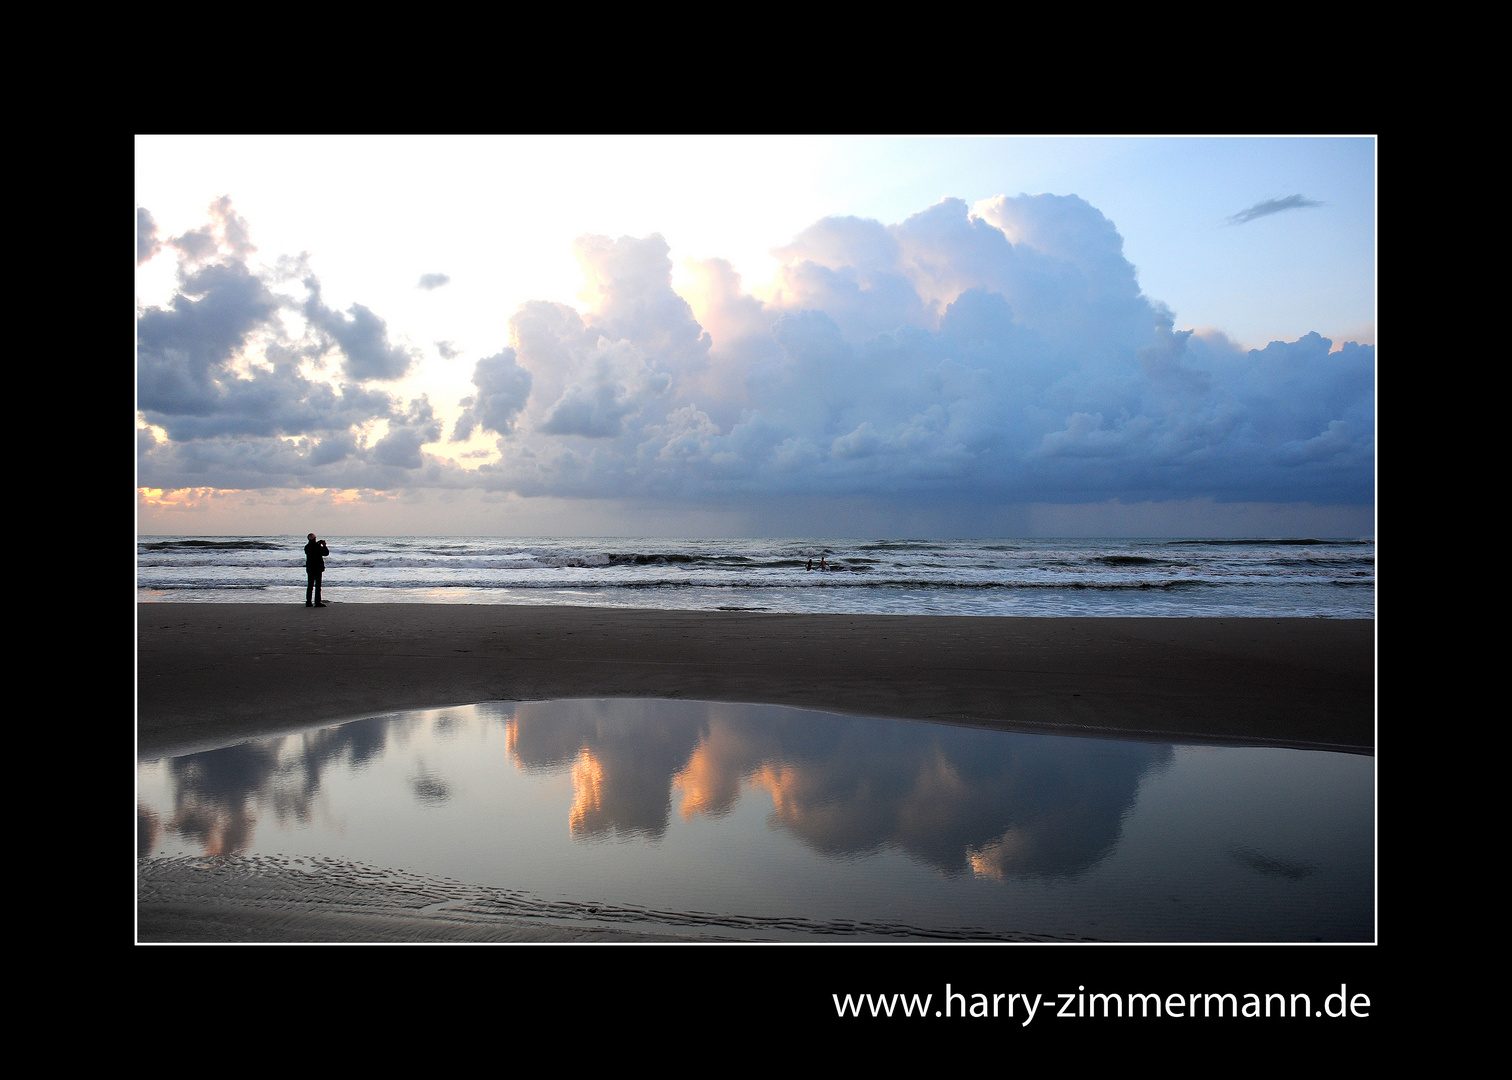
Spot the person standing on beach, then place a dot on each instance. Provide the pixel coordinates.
(315, 553)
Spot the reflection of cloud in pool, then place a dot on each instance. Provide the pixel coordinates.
(961, 800)
(356, 743)
(217, 792)
(710, 782)
(428, 787)
(587, 794)
(622, 755)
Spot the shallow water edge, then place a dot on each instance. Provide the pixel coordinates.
(675, 820)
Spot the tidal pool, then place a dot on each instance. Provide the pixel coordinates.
(757, 822)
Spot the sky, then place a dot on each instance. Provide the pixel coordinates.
(755, 336)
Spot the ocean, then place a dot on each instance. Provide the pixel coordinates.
(1311, 578)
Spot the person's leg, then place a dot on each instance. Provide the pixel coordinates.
(311, 581)
(317, 589)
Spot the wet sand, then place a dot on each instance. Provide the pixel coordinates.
(262, 899)
(213, 674)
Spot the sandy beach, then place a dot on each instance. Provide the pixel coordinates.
(212, 674)
(216, 674)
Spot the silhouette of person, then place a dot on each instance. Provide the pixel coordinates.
(822, 564)
(315, 553)
(811, 564)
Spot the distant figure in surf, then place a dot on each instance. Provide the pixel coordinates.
(315, 553)
(822, 564)
(810, 565)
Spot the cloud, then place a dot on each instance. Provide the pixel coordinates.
(1272, 206)
(148, 244)
(852, 270)
(362, 338)
(407, 433)
(1007, 355)
(341, 460)
(999, 354)
(226, 235)
(433, 281)
(600, 379)
(233, 399)
(630, 282)
(503, 389)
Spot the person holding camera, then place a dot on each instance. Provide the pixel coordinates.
(315, 553)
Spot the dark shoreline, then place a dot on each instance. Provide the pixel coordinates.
(212, 674)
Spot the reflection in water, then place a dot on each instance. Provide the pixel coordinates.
(956, 799)
(676, 803)
(428, 787)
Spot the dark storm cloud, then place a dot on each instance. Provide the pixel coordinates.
(1272, 206)
(433, 281)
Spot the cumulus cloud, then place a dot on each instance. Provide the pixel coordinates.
(1004, 352)
(407, 433)
(361, 336)
(232, 399)
(608, 376)
(997, 353)
(630, 282)
(225, 235)
(503, 388)
(433, 281)
(1272, 206)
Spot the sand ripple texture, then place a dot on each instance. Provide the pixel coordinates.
(273, 898)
